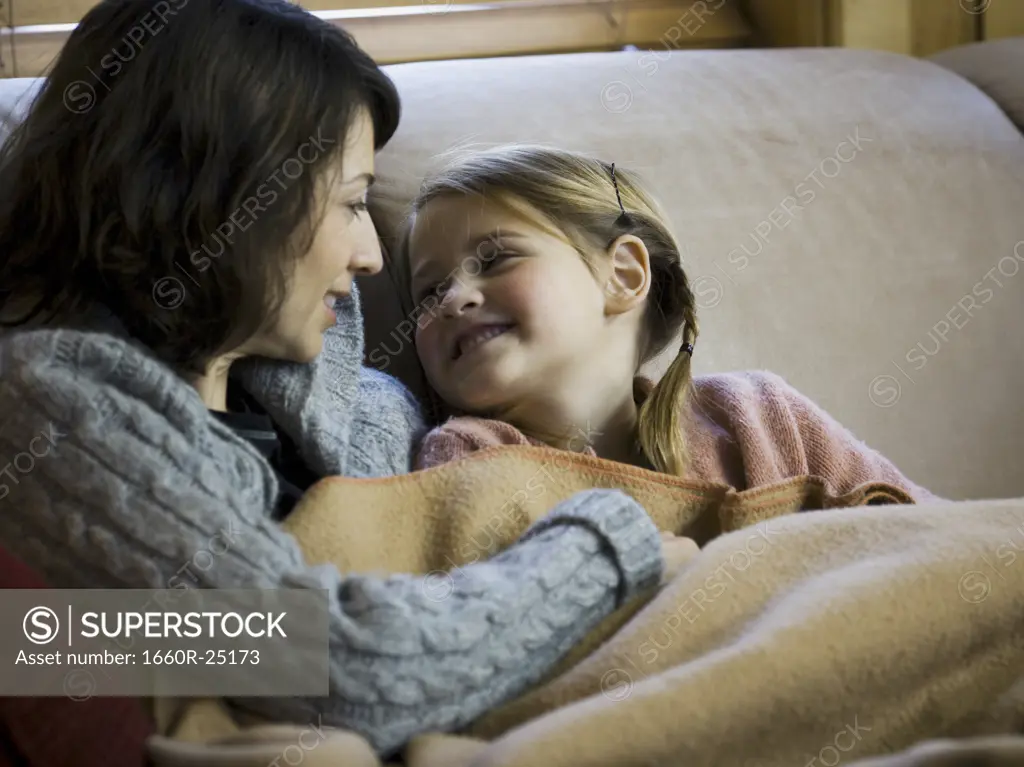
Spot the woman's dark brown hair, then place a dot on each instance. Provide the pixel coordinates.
(167, 171)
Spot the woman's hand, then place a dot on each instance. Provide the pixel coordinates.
(677, 552)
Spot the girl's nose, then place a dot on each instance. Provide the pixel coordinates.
(460, 298)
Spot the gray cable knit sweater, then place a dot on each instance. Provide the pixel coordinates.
(115, 475)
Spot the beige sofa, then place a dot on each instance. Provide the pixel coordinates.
(851, 220)
(843, 213)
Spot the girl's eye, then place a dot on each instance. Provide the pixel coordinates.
(357, 207)
(486, 262)
(493, 258)
(426, 292)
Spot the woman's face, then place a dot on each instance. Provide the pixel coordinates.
(345, 245)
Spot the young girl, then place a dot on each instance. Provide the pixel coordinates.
(547, 278)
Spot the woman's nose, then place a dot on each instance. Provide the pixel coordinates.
(367, 260)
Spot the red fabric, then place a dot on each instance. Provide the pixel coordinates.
(61, 732)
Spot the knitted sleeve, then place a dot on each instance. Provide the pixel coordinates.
(387, 427)
(130, 478)
(387, 421)
(363, 423)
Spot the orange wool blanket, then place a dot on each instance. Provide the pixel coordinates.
(793, 636)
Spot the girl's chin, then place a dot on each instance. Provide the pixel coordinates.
(482, 395)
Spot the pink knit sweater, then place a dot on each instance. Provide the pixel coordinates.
(748, 429)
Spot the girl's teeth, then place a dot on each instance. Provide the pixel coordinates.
(486, 335)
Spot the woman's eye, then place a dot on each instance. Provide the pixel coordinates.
(357, 207)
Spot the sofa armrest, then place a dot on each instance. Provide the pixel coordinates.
(996, 67)
(49, 732)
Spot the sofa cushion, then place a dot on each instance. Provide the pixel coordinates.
(996, 67)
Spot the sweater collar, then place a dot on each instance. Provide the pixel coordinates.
(294, 394)
(297, 395)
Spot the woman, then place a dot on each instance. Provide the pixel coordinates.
(182, 215)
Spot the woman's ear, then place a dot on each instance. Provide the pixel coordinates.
(629, 279)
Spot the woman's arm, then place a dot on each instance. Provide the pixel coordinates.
(407, 663)
(387, 427)
(385, 420)
(138, 479)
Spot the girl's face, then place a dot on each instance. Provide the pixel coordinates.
(509, 310)
(345, 245)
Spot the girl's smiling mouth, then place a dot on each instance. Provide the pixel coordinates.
(477, 336)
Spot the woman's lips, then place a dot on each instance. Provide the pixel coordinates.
(329, 305)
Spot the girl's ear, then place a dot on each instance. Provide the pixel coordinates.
(629, 279)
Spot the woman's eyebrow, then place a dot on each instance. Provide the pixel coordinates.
(369, 178)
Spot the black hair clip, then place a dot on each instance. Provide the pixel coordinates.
(624, 217)
(686, 347)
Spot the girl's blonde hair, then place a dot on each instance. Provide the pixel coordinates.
(576, 193)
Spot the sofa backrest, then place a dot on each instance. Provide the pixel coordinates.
(850, 220)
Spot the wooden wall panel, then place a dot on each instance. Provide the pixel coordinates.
(875, 24)
(29, 12)
(32, 12)
(1003, 19)
(787, 23)
(911, 27)
(36, 12)
(423, 33)
(937, 26)
(6, 53)
(6, 63)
